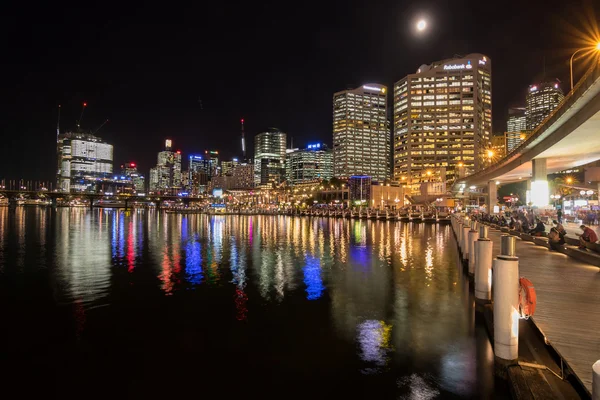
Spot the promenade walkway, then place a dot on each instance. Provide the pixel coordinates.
(568, 303)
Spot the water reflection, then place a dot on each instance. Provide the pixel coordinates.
(386, 290)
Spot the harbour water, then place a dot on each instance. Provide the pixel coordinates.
(144, 304)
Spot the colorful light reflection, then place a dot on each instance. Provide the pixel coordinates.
(312, 278)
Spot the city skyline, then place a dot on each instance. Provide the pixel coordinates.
(149, 98)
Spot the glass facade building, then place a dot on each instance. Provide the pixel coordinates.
(443, 118)
(311, 164)
(269, 158)
(166, 176)
(361, 133)
(541, 100)
(516, 120)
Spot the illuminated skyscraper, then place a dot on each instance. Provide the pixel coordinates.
(443, 118)
(541, 100)
(269, 158)
(314, 163)
(512, 140)
(130, 171)
(361, 133)
(516, 120)
(85, 162)
(166, 176)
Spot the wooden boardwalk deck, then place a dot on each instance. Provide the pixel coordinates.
(568, 303)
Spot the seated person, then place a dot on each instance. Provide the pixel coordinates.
(539, 229)
(588, 235)
(556, 237)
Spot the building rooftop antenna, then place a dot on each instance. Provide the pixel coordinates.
(58, 123)
(81, 116)
(243, 141)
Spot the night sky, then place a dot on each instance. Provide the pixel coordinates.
(190, 73)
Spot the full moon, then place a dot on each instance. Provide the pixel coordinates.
(421, 25)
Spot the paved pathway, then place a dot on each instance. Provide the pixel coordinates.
(568, 303)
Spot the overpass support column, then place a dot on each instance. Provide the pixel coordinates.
(492, 196)
(540, 194)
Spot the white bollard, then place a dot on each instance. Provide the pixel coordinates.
(473, 236)
(465, 237)
(506, 301)
(459, 236)
(483, 265)
(596, 381)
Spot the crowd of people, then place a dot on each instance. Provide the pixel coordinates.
(526, 221)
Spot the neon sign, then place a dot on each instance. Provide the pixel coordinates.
(372, 88)
(314, 146)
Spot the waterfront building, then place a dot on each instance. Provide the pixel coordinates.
(85, 162)
(314, 163)
(443, 118)
(387, 196)
(541, 100)
(516, 121)
(361, 133)
(359, 187)
(269, 158)
(214, 167)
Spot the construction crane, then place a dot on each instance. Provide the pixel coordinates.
(81, 116)
(100, 127)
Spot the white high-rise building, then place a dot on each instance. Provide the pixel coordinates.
(443, 119)
(85, 162)
(361, 133)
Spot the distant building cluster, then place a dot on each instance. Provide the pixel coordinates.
(437, 128)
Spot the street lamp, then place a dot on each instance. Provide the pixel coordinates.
(596, 48)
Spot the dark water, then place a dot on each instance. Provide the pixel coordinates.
(107, 303)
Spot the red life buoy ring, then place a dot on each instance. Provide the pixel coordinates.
(527, 298)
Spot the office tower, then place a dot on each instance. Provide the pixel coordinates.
(360, 189)
(85, 162)
(269, 158)
(442, 119)
(498, 146)
(361, 133)
(166, 176)
(516, 120)
(129, 170)
(212, 156)
(199, 170)
(243, 176)
(512, 140)
(312, 164)
(541, 100)
(227, 166)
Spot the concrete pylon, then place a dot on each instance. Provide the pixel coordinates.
(492, 196)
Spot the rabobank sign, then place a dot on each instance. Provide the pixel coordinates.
(458, 66)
